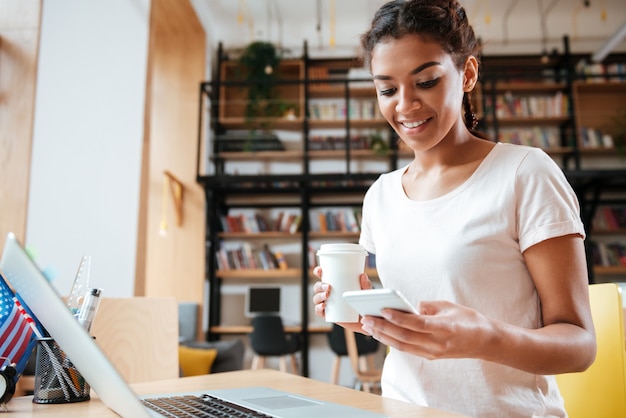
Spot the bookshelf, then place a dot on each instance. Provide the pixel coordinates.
(569, 108)
(608, 249)
(314, 158)
(598, 191)
(598, 105)
(529, 101)
(318, 157)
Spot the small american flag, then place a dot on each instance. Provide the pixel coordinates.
(17, 335)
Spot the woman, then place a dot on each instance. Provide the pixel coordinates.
(484, 239)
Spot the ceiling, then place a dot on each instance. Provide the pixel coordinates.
(332, 27)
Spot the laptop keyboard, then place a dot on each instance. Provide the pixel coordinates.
(199, 406)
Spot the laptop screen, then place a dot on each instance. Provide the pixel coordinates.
(43, 300)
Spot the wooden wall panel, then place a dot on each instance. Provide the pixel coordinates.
(172, 264)
(19, 44)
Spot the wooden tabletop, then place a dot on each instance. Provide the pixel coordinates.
(22, 407)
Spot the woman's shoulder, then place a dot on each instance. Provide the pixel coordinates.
(524, 158)
(519, 151)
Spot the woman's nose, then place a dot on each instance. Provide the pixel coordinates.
(408, 101)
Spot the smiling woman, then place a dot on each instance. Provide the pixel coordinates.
(417, 94)
(484, 239)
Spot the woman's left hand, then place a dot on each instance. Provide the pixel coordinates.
(442, 330)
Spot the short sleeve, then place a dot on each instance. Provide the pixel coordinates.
(546, 203)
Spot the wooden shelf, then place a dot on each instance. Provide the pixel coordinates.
(234, 95)
(603, 151)
(341, 123)
(247, 329)
(259, 235)
(258, 274)
(617, 231)
(559, 150)
(338, 90)
(529, 121)
(599, 86)
(334, 235)
(525, 87)
(594, 106)
(342, 154)
(261, 155)
(609, 270)
(261, 123)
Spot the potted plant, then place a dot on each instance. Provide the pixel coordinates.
(259, 62)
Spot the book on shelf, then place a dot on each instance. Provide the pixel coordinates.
(595, 138)
(262, 222)
(327, 109)
(608, 254)
(287, 222)
(281, 261)
(248, 257)
(279, 221)
(330, 142)
(245, 257)
(336, 109)
(248, 142)
(610, 218)
(312, 257)
(315, 75)
(295, 224)
(339, 220)
(248, 223)
(323, 226)
(548, 137)
(509, 105)
(597, 72)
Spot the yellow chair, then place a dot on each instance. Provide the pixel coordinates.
(600, 391)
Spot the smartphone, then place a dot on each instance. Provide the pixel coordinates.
(371, 302)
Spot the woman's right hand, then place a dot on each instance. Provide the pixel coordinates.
(321, 290)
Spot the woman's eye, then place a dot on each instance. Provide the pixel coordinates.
(428, 84)
(386, 92)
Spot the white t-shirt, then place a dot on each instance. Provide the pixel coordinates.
(466, 247)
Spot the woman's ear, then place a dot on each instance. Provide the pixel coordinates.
(470, 73)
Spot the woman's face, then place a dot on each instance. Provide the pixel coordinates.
(419, 89)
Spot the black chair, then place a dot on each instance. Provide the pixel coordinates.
(362, 361)
(269, 339)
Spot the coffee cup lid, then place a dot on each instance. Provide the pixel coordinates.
(343, 247)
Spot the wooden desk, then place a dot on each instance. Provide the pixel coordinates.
(23, 407)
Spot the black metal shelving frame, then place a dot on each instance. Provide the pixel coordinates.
(590, 185)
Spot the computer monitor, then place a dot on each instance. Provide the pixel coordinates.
(262, 300)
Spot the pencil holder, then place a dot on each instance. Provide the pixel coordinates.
(56, 378)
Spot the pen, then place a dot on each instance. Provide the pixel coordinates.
(89, 308)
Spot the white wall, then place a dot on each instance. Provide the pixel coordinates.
(88, 131)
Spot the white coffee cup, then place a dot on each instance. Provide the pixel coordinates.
(342, 264)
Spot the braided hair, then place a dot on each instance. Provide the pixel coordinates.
(442, 21)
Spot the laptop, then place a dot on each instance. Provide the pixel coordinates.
(99, 372)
